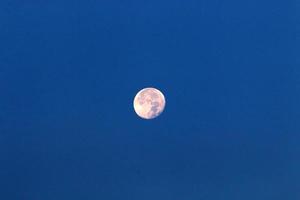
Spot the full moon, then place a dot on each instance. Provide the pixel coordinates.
(149, 103)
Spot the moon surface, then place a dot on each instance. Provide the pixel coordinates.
(149, 103)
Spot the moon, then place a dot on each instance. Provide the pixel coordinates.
(149, 103)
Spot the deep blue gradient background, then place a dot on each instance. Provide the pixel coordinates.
(230, 71)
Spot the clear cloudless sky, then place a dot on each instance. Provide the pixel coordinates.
(230, 71)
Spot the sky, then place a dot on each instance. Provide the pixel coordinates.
(230, 72)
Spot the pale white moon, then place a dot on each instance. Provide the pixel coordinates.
(149, 103)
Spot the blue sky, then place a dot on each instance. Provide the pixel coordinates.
(229, 70)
